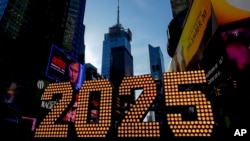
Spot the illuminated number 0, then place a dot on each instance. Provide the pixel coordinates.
(101, 128)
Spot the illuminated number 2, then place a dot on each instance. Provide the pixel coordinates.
(101, 128)
(132, 125)
(48, 128)
(204, 124)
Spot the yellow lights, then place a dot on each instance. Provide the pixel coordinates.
(48, 128)
(132, 125)
(204, 124)
(100, 129)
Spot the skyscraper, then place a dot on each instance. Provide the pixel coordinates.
(73, 39)
(28, 28)
(91, 72)
(157, 67)
(14, 17)
(61, 23)
(117, 60)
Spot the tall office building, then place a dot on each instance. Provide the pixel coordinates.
(117, 60)
(28, 28)
(91, 72)
(14, 17)
(73, 38)
(157, 69)
(61, 23)
(15, 22)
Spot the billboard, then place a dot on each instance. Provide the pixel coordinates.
(237, 46)
(193, 31)
(229, 11)
(63, 68)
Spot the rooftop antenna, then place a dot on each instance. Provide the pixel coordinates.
(118, 22)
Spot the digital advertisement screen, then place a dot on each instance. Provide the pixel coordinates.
(237, 46)
(64, 68)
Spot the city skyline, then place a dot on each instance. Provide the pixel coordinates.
(148, 26)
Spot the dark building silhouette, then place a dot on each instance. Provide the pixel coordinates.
(91, 72)
(121, 65)
(28, 28)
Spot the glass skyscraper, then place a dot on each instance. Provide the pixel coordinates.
(116, 55)
(157, 67)
(117, 62)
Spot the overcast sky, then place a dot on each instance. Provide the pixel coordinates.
(147, 20)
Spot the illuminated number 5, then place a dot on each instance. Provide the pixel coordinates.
(204, 124)
(132, 125)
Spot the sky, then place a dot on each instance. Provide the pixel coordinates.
(147, 19)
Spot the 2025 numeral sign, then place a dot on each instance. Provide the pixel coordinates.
(132, 124)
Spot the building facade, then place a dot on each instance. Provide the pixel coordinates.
(28, 29)
(156, 61)
(117, 60)
(117, 63)
(91, 72)
(73, 38)
(117, 37)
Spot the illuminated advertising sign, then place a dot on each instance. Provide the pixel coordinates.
(237, 46)
(62, 67)
(193, 31)
(132, 125)
(229, 11)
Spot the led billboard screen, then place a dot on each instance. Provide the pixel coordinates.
(237, 46)
(63, 68)
(193, 32)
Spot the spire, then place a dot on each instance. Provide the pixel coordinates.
(118, 12)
